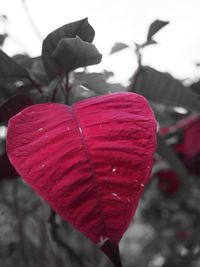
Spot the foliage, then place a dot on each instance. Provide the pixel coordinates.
(169, 210)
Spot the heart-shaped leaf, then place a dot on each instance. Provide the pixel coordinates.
(13, 105)
(73, 53)
(162, 88)
(90, 162)
(79, 28)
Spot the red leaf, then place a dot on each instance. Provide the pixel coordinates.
(191, 137)
(90, 162)
(190, 126)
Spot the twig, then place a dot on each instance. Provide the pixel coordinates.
(19, 43)
(36, 85)
(35, 29)
(66, 87)
(139, 56)
(135, 78)
(20, 224)
(50, 257)
(54, 233)
(53, 96)
(133, 85)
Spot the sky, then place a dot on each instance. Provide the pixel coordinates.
(127, 21)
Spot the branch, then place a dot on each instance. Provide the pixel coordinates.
(36, 85)
(31, 21)
(55, 235)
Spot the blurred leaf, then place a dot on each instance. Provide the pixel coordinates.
(117, 87)
(8, 226)
(73, 53)
(155, 27)
(93, 81)
(170, 156)
(38, 71)
(147, 43)
(2, 38)
(137, 237)
(7, 171)
(13, 105)
(10, 69)
(196, 88)
(118, 47)
(169, 182)
(108, 74)
(162, 115)
(24, 60)
(97, 82)
(151, 41)
(79, 28)
(35, 67)
(162, 88)
(79, 92)
(3, 17)
(55, 91)
(31, 230)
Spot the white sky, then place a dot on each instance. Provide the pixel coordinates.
(113, 21)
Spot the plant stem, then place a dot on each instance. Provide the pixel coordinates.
(139, 56)
(50, 253)
(20, 224)
(67, 87)
(59, 241)
(53, 97)
(35, 84)
(136, 75)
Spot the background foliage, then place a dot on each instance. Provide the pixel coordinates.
(165, 229)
